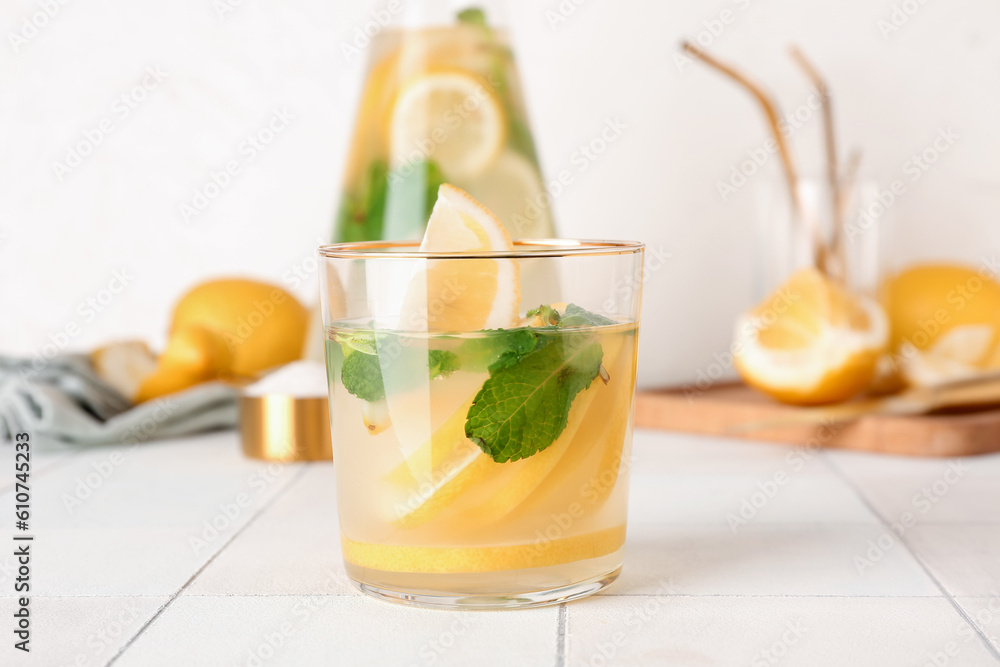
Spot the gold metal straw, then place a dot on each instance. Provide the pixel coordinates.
(770, 108)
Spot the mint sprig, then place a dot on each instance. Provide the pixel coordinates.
(361, 213)
(535, 374)
(472, 15)
(524, 405)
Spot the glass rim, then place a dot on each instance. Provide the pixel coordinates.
(523, 249)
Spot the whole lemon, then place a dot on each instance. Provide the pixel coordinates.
(926, 301)
(263, 324)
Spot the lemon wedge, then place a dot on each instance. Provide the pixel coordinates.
(450, 116)
(590, 476)
(530, 473)
(811, 342)
(455, 295)
(456, 465)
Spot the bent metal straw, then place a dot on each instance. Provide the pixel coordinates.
(836, 265)
(763, 97)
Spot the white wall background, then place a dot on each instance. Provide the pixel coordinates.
(60, 242)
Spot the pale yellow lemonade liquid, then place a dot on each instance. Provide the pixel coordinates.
(422, 508)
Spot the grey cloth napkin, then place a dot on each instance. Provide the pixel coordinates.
(63, 401)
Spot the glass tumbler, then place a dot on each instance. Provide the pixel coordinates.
(784, 244)
(482, 440)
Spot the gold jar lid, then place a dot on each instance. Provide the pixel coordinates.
(277, 427)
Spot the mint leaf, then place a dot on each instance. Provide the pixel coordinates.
(361, 372)
(473, 16)
(362, 376)
(575, 316)
(361, 213)
(519, 136)
(519, 343)
(524, 405)
(441, 363)
(478, 355)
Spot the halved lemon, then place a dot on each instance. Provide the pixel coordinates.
(811, 342)
(451, 117)
(470, 294)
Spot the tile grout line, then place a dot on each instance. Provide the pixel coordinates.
(561, 623)
(990, 648)
(250, 521)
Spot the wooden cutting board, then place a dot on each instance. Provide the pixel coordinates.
(719, 409)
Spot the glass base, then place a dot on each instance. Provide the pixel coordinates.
(539, 598)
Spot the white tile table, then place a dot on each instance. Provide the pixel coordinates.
(738, 554)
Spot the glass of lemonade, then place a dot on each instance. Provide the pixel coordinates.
(484, 466)
(441, 101)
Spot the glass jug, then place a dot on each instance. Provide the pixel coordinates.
(441, 102)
